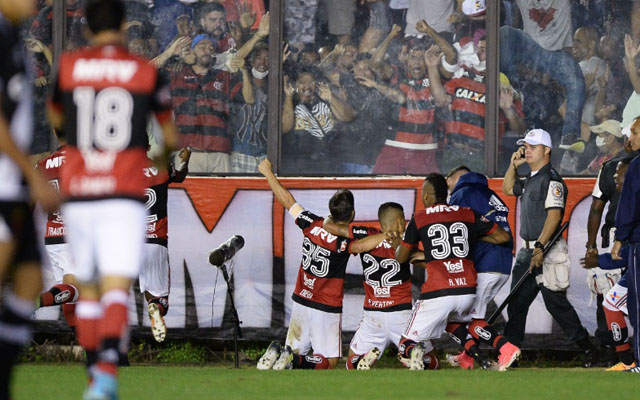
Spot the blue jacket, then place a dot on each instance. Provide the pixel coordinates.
(628, 213)
(473, 191)
(606, 262)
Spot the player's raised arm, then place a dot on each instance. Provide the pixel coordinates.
(283, 195)
(336, 228)
(367, 243)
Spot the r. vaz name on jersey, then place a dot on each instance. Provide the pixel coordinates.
(463, 93)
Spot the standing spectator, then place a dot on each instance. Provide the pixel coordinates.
(548, 22)
(585, 43)
(249, 125)
(201, 98)
(632, 108)
(340, 18)
(628, 230)
(212, 22)
(310, 125)
(414, 149)
(543, 197)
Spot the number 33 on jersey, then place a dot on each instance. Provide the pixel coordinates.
(105, 95)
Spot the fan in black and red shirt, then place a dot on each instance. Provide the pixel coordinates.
(316, 316)
(447, 233)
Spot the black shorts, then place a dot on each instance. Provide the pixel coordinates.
(16, 219)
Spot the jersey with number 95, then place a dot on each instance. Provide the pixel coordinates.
(106, 95)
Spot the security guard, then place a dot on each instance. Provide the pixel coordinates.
(543, 198)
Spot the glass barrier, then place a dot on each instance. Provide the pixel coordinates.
(383, 87)
(214, 56)
(564, 62)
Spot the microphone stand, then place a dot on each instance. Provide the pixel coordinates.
(237, 332)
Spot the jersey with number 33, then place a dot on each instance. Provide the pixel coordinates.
(106, 95)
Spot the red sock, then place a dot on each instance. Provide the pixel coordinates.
(69, 311)
(618, 328)
(112, 329)
(59, 294)
(89, 313)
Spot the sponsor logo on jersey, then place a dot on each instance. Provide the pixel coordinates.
(92, 185)
(616, 331)
(462, 93)
(496, 204)
(441, 208)
(62, 296)
(343, 246)
(150, 172)
(359, 231)
(98, 69)
(99, 161)
(310, 283)
(151, 227)
(55, 162)
(306, 294)
(324, 235)
(454, 267)
(59, 231)
(380, 303)
(306, 218)
(382, 291)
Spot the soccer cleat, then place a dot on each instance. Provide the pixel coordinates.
(404, 361)
(621, 367)
(103, 387)
(285, 360)
(508, 354)
(269, 357)
(462, 360)
(368, 359)
(416, 359)
(158, 327)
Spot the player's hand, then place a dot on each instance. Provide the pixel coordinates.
(42, 192)
(263, 27)
(265, 167)
(615, 251)
(536, 260)
(517, 158)
(433, 56)
(589, 261)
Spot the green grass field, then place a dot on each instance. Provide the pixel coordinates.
(51, 381)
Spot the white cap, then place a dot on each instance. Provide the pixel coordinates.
(535, 137)
(609, 126)
(473, 8)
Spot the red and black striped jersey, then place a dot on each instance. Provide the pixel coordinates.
(447, 233)
(51, 166)
(320, 282)
(157, 194)
(416, 118)
(387, 283)
(106, 95)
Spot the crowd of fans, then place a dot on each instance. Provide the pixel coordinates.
(380, 86)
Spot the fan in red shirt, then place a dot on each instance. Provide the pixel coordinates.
(102, 99)
(447, 233)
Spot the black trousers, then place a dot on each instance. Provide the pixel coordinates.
(556, 302)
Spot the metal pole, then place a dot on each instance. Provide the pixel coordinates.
(491, 140)
(274, 102)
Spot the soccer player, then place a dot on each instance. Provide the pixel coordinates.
(103, 96)
(492, 263)
(387, 286)
(155, 270)
(65, 292)
(447, 233)
(19, 255)
(316, 316)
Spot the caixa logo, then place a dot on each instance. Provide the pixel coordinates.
(382, 291)
(454, 267)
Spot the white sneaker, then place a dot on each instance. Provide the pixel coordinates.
(158, 327)
(269, 357)
(368, 359)
(285, 359)
(416, 362)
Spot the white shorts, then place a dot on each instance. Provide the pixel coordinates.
(489, 284)
(61, 260)
(154, 272)
(429, 318)
(378, 329)
(311, 328)
(616, 299)
(105, 237)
